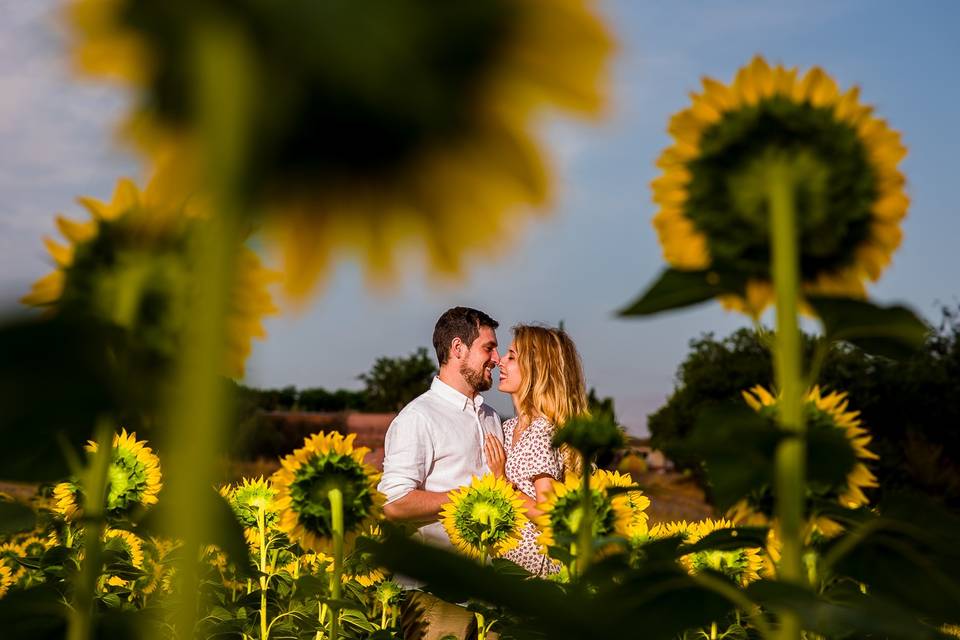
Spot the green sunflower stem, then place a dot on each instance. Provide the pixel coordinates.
(585, 531)
(336, 510)
(262, 526)
(94, 508)
(790, 475)
(197, 418)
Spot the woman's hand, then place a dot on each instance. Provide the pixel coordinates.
(496, 456)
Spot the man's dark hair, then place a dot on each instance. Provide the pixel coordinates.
(459, 322)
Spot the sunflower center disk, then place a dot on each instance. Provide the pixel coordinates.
(834, 186)
(413, 84)
(310, 493)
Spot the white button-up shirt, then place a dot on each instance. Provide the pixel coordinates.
(436, 444)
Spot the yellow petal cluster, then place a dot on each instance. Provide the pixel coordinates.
(152, 216)
(687, 247)
(836, 405)
(494, 503)
(316, 449)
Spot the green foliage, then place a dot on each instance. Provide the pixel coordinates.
(393, 382)
(905, 405)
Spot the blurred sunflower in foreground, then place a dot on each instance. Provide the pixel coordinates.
(128, 265)
(484, 519)
(372, 123)
(713, 193)
(133, 479)
(326, 461)
(825, 415)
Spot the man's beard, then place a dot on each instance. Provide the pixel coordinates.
(475, 378)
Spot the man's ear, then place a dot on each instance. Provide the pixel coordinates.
(456, 348)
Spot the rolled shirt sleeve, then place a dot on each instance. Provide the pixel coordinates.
(407, 455)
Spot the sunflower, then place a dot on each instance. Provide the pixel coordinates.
(364, 147)
(9, 552)
(156, 564)
(630, 503)
(712, 196)
(128, 262)
(133, 479)
(6, 579)
(130, 545)
(326, 461)
(248, 499)
(740, 565)
(563, 511)
(824, 412)
(485, 518)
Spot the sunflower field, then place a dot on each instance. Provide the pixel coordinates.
(365, 128)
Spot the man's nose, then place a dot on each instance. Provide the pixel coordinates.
(495, 357)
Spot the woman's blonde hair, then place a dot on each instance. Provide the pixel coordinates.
(551, 381)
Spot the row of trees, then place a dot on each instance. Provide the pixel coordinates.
(908, 405)
(388, 386)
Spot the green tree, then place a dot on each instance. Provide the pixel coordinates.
(393, 382)
(906, 405)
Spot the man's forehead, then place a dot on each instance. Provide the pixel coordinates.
(487, 335)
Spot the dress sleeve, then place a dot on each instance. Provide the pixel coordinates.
(542, 458)
(407, 454)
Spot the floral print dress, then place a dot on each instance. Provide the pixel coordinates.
(531, 457)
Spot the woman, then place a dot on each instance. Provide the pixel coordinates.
(542, 373)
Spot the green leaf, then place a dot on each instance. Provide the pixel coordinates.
(16, 517)
(728, 539)
(908, 555)
(357, 619)
(33, 614)
(55, 380)
(855, 615)
(309, 586)
(677, 289)
(225, 530)
(894, 331)
(737, 446)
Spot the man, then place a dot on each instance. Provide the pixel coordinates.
(435, 444)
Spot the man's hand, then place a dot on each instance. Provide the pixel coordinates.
(496, 456)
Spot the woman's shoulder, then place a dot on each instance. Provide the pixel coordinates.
(542, 423)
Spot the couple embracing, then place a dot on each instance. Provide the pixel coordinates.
(447, 435)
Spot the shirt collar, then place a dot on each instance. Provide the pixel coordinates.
(450, 394)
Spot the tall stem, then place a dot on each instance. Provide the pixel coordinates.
(262, 526)
(197, 421)
(585, 532)
(95, 497)
(791, 453)
(336, 510)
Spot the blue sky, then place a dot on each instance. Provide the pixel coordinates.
(596, 250)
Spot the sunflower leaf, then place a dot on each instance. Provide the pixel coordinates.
(55, 380)
(678, 289)
(907, 555)
(728, 540)
(895, 331)
(737, 447)
(226, 531)
(854, 614)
